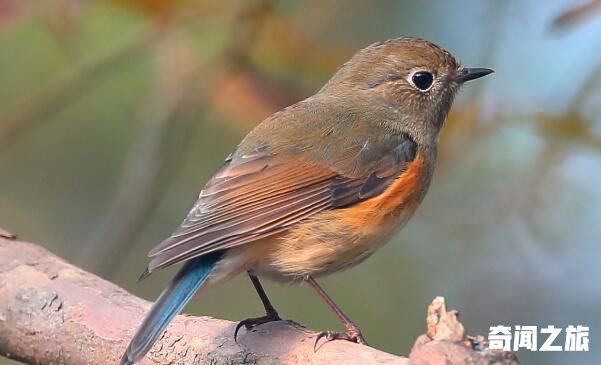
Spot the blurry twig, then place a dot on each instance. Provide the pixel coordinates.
(489, 45)
(248, 23)
(577, 14)
(151, 161)
(469, 123)
(592, 82)
(40, 108)
(144, 181)
(52, 98)
(569, 128)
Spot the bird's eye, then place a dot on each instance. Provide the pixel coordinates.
(422, 80)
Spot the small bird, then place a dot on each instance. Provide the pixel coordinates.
(317, 187)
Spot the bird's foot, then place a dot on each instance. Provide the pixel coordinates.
(352, 335)
(250, 323)
(7, 234)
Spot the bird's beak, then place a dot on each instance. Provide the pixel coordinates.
(467, 74)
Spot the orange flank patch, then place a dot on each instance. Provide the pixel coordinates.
(335, 239)
(399, 201)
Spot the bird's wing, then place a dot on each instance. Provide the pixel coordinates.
(260, 195)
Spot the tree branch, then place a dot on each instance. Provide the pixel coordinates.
(52, 312)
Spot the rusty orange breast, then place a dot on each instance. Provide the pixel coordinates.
(398, 201)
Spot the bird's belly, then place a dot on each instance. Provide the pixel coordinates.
(320, 246)
(337, 239)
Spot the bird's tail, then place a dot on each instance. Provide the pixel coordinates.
(173, 299)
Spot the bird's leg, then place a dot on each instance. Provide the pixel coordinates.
(353, 333)
(270, 313)
(269, 309)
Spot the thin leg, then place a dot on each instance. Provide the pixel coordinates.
(353, 333)
(269, 309)
(270, 313)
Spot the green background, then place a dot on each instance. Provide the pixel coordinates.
(114, 113)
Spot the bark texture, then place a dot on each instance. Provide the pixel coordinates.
(52, 312)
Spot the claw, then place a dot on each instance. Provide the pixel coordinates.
(326, 334)
(351, 335)
(250, 323)
(238, 326)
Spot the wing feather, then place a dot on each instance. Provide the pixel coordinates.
(258, 196)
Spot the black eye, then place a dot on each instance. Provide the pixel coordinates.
(422, 80)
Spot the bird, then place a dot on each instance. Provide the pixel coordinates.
(317, 187)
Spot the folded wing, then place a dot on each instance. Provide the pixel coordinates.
(260, 195)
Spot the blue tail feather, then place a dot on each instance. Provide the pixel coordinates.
(173, 299)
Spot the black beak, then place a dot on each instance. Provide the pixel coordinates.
(467, 74)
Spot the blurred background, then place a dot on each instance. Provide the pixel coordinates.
(113, 114)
